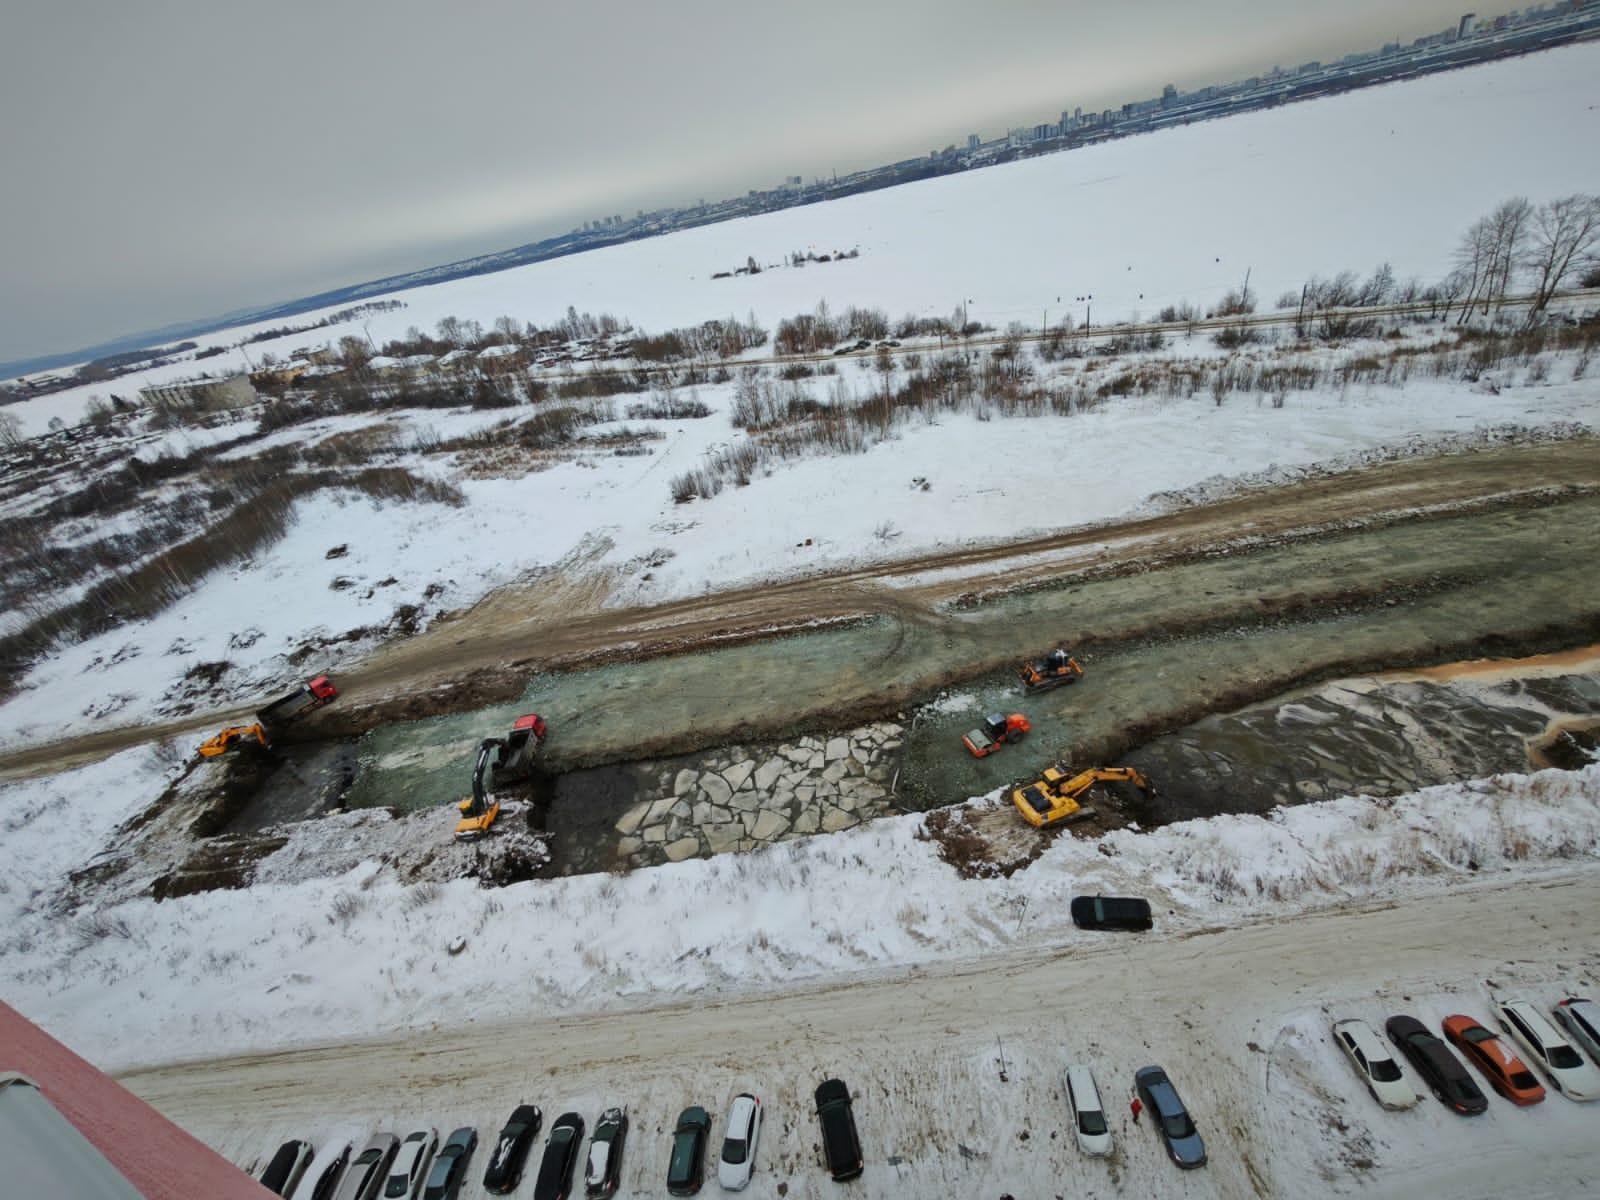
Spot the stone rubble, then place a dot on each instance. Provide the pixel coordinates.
(739, 799)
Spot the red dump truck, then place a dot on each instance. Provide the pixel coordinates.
(302, 700)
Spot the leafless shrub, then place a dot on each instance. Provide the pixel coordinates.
(97, 927)
(668, 407)
(345, 907)
(422, 895)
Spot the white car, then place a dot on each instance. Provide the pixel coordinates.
(1377, 1067)
(287, 1166)
(411, 1165)
(1088, 1114)
(738, 1157)
(1573, 1076)
(1582, 1019)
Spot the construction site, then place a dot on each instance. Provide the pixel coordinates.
(646, 736)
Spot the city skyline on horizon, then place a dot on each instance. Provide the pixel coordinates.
(93, 292)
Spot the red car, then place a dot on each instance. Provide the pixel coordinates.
(1506, 1073)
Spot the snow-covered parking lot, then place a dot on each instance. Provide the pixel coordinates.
(957, 1069)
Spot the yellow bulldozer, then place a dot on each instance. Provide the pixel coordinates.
(1057, 797)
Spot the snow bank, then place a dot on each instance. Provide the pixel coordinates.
(281, 964)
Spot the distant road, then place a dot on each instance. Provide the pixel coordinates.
(1211, 325)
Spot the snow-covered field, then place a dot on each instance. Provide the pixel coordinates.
(612, 518)
(1393, 173)
(335, 958)
(1272, 191)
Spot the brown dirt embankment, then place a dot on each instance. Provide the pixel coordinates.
(486, 654)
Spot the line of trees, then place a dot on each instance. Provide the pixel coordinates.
(1543, 247)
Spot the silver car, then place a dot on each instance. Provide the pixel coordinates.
(365, 1175)
(1582, 1020)
(411, 1164)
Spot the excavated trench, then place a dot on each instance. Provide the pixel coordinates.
(1206, 673)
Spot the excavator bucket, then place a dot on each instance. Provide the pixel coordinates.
(471, 828)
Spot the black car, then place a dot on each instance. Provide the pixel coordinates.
(1445, 1074)
(330, 1175)
(286, 1167)
(511, 1149)
(686, 1167)
(1170, 1117)
(449, 1170)
(604, 1169)
(841, 1147)
(560, 1156)
(1126, 913)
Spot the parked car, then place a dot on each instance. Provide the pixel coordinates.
(1128, 914)
(1440, 1070)
(1170, 1117)
(366, 1174)
(410, 1165)
(1573, 1076)
(511, 1149)
(739, 1140)
(686, 1167)
(841, 1145)
(604, 1170)
(1373, 1062)
(328, 1181)
(1582, 1020)
(560, 1156)
(1088, 1114)
(283, 1172)
(1506, 1073)
(449, 1170)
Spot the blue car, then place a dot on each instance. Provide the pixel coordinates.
(1170, 1117)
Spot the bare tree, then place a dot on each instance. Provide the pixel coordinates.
(1564, 237)
(10, 430)
(450, 330)
(1509, 226)
(1474, 256)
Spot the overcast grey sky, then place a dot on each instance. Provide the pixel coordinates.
(174, 159)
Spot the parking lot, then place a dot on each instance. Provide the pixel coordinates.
(957, 1072)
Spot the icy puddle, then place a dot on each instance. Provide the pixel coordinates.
(1381, 735)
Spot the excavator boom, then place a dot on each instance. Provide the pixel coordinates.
(1055, 798)
(232, 736)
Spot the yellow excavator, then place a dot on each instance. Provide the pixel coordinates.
(1055, 799)
(314, 693)
(513, 759)
(234, 737)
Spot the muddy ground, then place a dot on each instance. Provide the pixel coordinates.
(489, 654)
(1178, 620)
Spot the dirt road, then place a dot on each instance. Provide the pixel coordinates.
(487, 654)
(956, 1070)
